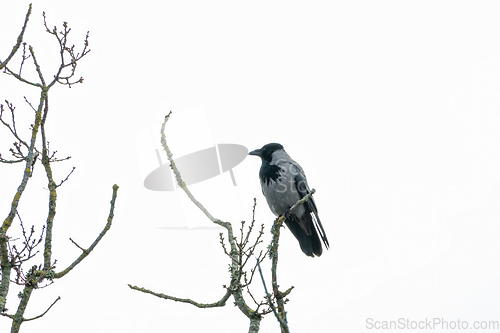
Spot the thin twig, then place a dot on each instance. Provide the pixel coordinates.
(12, 128)
(221, 235)
(39, 316)
(24, 57)
(65, 179)
(268, 296)
(96, 241)
(26, 100)
(78, 246)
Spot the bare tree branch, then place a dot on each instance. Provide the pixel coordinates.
(273, 254)
(6, 266)
(19, 40)
(236, 252)
(11, 258)
(219, 303)
(181, 183)
(85, 253)
(62, 38)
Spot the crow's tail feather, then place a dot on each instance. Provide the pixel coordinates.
(309, 244)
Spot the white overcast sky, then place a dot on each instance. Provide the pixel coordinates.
(391, 107)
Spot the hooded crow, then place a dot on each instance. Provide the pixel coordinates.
(283, 184)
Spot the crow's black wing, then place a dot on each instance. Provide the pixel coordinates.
(310, 206)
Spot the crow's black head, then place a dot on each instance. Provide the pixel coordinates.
(266, 152)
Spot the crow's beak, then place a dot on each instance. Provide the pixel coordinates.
(256, 152)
